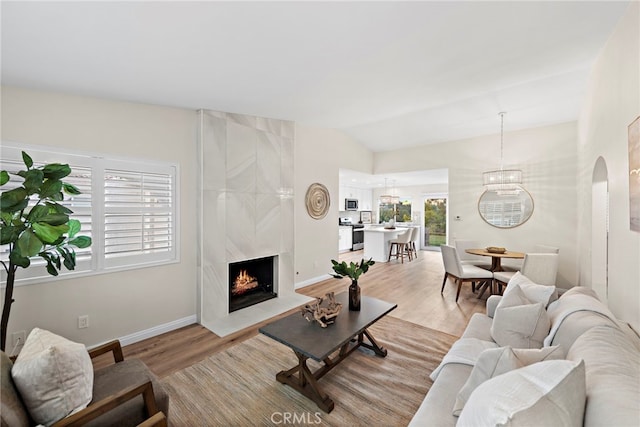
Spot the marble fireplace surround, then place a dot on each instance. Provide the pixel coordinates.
(246, 212)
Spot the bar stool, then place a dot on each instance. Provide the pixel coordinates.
(402, 244)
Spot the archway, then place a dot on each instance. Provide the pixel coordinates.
(600, 229)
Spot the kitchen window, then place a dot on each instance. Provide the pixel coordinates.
(128, 207)
(401, 211)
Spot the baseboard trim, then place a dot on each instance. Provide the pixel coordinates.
(157, 330)
(312, 281)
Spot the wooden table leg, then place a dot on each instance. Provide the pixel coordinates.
(306, 383)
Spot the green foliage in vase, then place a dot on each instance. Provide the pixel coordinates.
(352, 270)
(43, 229)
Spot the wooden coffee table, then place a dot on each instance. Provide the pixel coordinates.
(309, 340)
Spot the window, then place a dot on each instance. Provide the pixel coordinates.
(401, 211)
(127, 207)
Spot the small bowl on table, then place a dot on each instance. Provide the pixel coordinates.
(495, 250)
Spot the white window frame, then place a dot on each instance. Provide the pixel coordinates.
(97, 263)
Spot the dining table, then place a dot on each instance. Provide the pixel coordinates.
(496, 257)
(496, 263)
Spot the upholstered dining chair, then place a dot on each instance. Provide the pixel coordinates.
(415, 237)
(541, 268)
(402, 246)
(462, 272)
(470, 259)
(514, 265)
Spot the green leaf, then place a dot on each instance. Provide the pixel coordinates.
(74, 227)
(69, 258)
(16, 257)
(54, 219)
(12, 197)
(37, 212)
(51, 269)
(49, 233)
(70, 189)
(56, 171)
(6, 217)
(29, 244)
(10, 234)
(16, 208)
(28, 162)
(33, 180)
(50, 187)
(4, 177)
(81, 242)
(59, 208)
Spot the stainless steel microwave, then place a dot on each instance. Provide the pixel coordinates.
(350, 204)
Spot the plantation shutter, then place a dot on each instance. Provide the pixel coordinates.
(139, 214)
(81, 205)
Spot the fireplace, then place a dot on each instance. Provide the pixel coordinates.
(252, 282)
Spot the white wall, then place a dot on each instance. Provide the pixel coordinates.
(319, 154)
(548, 159)
(123, 303)
(612, 103)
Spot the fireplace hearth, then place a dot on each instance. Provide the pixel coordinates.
(252, 282)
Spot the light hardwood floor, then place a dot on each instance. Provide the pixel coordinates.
(414, 286)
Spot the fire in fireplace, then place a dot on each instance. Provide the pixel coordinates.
(252, 282)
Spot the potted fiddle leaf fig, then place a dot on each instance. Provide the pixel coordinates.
(353, 271)
(33, 223)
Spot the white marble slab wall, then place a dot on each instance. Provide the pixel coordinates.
(246, 210)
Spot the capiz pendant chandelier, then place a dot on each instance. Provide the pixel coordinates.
(502, 180)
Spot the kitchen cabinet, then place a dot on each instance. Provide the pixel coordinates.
(344, 238)
(364, 196)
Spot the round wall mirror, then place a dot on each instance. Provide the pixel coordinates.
(506, 208)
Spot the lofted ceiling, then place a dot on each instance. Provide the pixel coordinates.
(389, 74)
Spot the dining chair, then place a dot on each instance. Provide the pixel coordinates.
(541, 268)
(544, 249)
(401, 244)
(415, 237)
(453, 267)
(513, 265)
(470, 259)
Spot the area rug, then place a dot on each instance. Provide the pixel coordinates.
(237, 387)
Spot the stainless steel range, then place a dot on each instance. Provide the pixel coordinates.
(357, 233)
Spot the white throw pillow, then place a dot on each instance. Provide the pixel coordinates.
(518, 323)
(550, 393)
(497, 361)
(53, 375)
(533, 291)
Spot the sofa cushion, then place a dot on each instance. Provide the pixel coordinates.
(550, 393)
(497, 361)
(572, 315)
(518, 323)
(435, 409)
(612, 359)
(53, 375)
(534, 292)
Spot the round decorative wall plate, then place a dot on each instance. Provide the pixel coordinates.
(317, 201)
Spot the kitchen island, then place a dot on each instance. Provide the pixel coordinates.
(376, 242)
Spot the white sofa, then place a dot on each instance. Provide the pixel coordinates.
(579, 325)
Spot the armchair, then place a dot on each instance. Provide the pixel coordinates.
(125, 393)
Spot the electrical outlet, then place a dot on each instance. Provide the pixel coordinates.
(83, 321)
(18, 338)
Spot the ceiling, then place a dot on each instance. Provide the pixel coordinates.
(389, 74)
